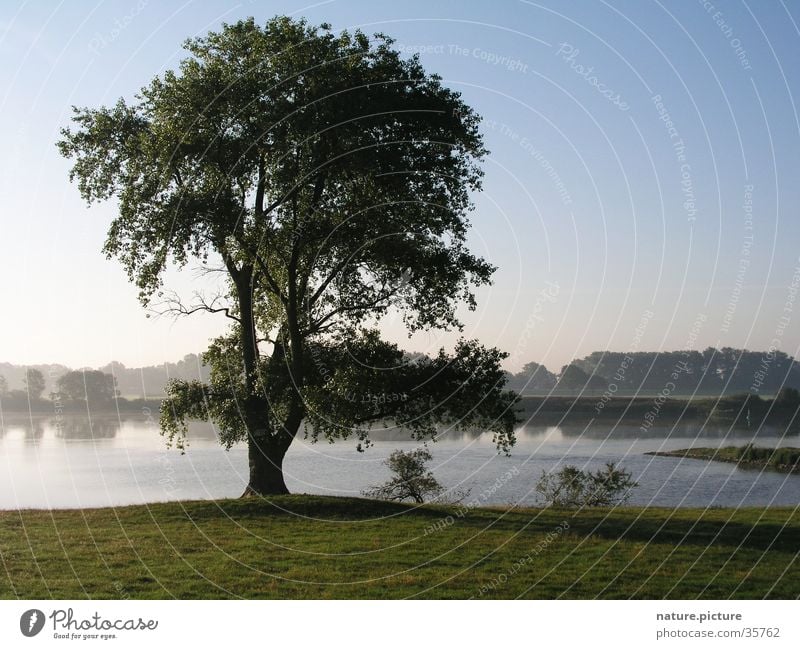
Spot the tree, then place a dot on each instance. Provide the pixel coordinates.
(93, 386)
(3, 386)
(34, 383)
(572, 487)
(574, 378)
(412, 479)
(787, 397)
(329, 180)
(534, 377)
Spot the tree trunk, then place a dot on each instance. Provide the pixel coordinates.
(266, 447)
(266, 467)
(264, 452)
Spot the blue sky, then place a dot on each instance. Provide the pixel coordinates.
(610, 230)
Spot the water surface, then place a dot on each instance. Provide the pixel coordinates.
(102, 461)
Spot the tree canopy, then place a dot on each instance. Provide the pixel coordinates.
(34, 383)
(329, 179)
(93, 386)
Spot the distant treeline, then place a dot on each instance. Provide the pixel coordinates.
(679, 373)
(132, 382)
(56, 388)
(77, 391)
(604, 375)
(646, 413)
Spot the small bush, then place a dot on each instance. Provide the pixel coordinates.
(572, 487)
(789, 457)
(788, 397)
(412, 481)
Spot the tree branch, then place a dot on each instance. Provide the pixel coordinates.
(332, 276)
(314, 326)
(260, 187)
(173, 305)
(273, 285)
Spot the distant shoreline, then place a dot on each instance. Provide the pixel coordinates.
(744, 410)
(44, 408)
(783, 460)
(645, 412)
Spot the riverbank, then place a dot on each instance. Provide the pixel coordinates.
(327, 547)
(45, 407)
(744, 410)
(786, 459)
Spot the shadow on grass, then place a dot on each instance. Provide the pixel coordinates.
(323, 508)
(656, 525)
(671, 527)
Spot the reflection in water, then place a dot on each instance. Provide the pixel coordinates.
(34, 431)
(41, 429)
(78, 428)
(81, 462)
(684, 430)
(30, 429)
(603, 431)
(403, 435)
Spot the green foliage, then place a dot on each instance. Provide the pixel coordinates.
(533, 378)
(788, 397)
(335, 130)
(572, 487)
(785, 458)
(34, 383)
(220, 399)
(574, 378)
(746, 452)
(363, 380)
(93, 386)
(330, 178)
(412, 479)
(710, 372)
(782, 457)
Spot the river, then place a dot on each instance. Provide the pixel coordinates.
(75, 462)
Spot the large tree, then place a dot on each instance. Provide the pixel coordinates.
(93, 386)
(533, 377)
(34, 383)
(329, 178)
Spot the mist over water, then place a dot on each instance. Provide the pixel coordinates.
(75, 462)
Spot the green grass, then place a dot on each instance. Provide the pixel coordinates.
(748, 456)
(322, 547)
